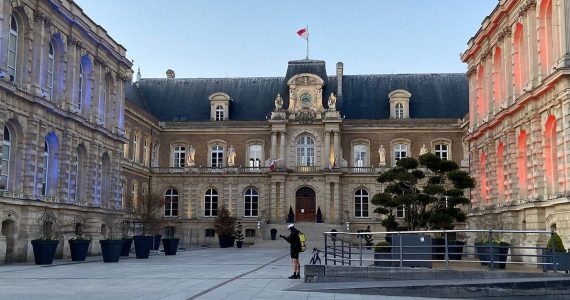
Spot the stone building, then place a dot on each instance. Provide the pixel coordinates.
(305, 141)
(62, 81)
(518, 110)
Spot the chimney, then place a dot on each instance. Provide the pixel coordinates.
(170, 73)
(339, 71)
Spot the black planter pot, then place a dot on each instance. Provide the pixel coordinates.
(500, 254)
(388, 238)
(170, 245)
(143, 244)
(111, 250)
(369, 245)
(44, 251)
(273, 234)
(380, 259)
(455, 250)
(561, 259)
(78, 249)
(157, 238)
(239, 244)
(226, 241)
(126, 249)
(438, 249)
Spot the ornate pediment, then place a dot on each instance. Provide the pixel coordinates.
(305, 92)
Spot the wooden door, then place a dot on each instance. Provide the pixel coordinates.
(305, 206)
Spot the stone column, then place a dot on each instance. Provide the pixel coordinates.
(535, 164)
(96, 94)
(532, 39)
(38, 51)
(283, 155)
(92, 174)
(30, 157)
(564, 38)
(508, 67)
(70, 96)
(492, 178)
(326, 158)
(273, 145)
(336, 142)
(65, 166)
(511, 166)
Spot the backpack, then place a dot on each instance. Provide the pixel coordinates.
(303, 240)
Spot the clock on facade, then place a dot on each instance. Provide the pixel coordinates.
(306, 99)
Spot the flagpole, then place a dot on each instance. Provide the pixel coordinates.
(307, 28)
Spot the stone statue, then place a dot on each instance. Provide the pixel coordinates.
(231, 156)
(278, 103)
(423, 150)
(332, 102)
(382, 153)
(191, 153)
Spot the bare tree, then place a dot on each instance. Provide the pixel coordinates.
(146, 213)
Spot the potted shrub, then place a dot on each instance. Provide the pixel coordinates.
(499, 250)
(145, 214)
(290, 216)
(126, 227)
(79, 245)
(382, 254)
(44, 247)
(239, 235)
(111, 245)
(556, 253)
(273, 233)
(170, 243)
(319, 215)
(224, 225)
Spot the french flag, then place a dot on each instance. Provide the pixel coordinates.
(304, 33)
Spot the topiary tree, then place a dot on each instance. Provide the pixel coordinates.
(558, 245)
(224, 223)
(432, 205)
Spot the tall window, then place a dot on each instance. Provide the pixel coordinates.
(179, 156)
(519, 58)
(219, 113)
(251, 202)
(399, 111)
(78, 174)
(5, 171)
(442, 151)
(145, 152)
(551, 155)
(360, 155)
(400, 151)
(211, 203)
(217, 158)
(134, 194)
(255, 156)
(497, 77)
(401, 212)
(171, 203)
(521, 163)
(80, 88)
(12, 48)
(46, 168)
(483, 177)
(126, 145)
(50, 71)
(361, 204)
(135, 147)
(500, 171)
(305, 151)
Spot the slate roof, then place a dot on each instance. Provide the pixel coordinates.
(364, 96)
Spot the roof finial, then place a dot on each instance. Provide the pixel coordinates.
(138, 74)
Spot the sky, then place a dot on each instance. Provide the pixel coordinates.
(256, 38)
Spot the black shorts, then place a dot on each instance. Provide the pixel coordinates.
(295, 255)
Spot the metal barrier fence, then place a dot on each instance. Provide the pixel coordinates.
(423, 248)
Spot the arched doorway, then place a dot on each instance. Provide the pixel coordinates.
(8, 231)
(305, 199)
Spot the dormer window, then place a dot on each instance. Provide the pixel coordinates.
(399, 104)
(219, 106)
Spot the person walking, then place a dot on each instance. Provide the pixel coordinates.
(295, 246)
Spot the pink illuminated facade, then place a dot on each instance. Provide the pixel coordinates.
(518, 135)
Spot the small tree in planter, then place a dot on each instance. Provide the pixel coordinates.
(224, 225)
(382, 254)
(556, 253)
(127, 229)
(79, 245)
(145, 214)
(111, 245)
(44, 247)
(319, 215)
(290, 216)
(239, 235)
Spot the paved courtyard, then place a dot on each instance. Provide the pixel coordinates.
(248, 273)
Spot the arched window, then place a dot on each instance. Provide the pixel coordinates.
(497, 77)
(80, 88)
(145, 152)
(551, 155)
(179, 156)
(548, 37)
(305, 151)
(135, 147)
(217, 156)
(399, 111)
(126, 145)
(360, 154)
(105, 192)
(79, 172)
(211, 203)
(400, 151)
(519, 58)
(483, 177)
(361, 203)
(171, 203)
(521, 162)
(5, 171)
(219, 113)
(500, 171)
(251, 202)
(46, 169)
(442, 150)
(481, 93)
(254, 156)
(50, 71)
(13, 48)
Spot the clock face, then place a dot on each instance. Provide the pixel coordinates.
(306, 99)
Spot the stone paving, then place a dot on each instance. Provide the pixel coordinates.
(248, 273)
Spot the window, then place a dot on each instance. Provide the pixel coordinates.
(399, 111)
(171, 203)
(50, 71)
(103, 100)
(305, 151)
(145, 152)
(134, 195)
(80, 88)
(5, 171)
(12, 48)
(251, 202)
(441, 150)
(135, 147)
(219, 113)
(217, 158)
(401, 212)
(169, 231)
(179, 156)
(250, 232)
(400, 151)
(360, 155)
(211, 203)
(46, 166)
(209, 232)
(126, 145)
(255, 156)
(78, 173)
(361, 203)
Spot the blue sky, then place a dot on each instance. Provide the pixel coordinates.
(251, 38)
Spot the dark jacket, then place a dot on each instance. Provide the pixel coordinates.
(293, 240)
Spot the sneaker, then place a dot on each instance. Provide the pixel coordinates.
(294, 276)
